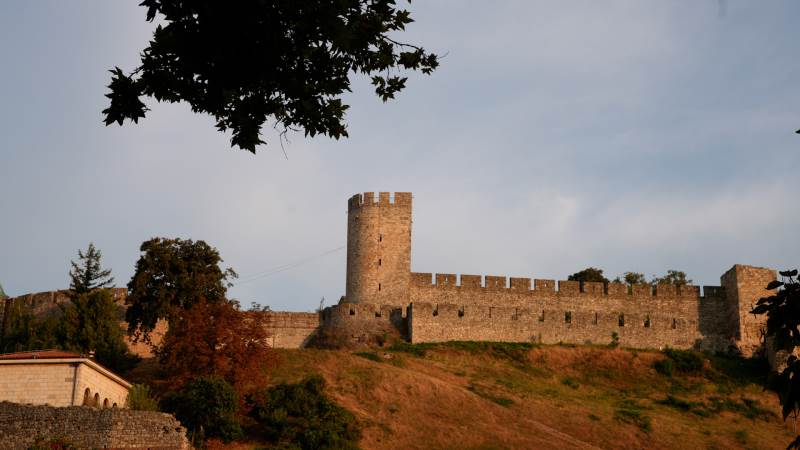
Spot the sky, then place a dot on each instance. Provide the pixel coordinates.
(626, 135)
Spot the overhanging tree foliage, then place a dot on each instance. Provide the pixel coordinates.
(172, 275)
(245, 63)
(783, 327)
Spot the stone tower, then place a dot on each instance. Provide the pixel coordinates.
(744, 285)
(378, 249)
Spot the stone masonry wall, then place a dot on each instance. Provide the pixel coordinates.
(378, 248)
(40, 383)
(287, 329)
(87, 428)
(747, 284)
(291, 329)
(511, 311)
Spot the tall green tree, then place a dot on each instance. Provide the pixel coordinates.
(285, 61)
(172, 275)
(24, 330)
(589, 274)
(91, 323)
(783, 327)
(88, 274)
(675, 277)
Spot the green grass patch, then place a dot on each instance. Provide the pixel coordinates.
(513, 351)
(419, 350)
(570, 382)
(635, 417)
(746, 407)
(629, 411)
(499, 399)
(372, 356)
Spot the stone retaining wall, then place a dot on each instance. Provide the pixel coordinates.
(84, 427)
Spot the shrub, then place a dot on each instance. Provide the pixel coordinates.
(140, 399)
(206, 407)
(570, 382)
(665, 367)
(686, 361)
(614, 340)
(633, 416)
(301, 416)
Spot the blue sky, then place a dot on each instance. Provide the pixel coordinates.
(628, 135)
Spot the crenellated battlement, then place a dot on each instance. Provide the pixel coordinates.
(560, 288)
(383, 199)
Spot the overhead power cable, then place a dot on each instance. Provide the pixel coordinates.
(285, 267)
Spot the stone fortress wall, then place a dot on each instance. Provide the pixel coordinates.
(286, 329)
(382, 293)
(446, 306)
(21, 425)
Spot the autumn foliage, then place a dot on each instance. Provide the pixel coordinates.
(217, 338)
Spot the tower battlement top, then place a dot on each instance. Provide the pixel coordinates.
(383, 199)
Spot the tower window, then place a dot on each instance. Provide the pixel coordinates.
(379, 286)
(568, 317)
(595, 319)
(541, 318)
(622, 320)
(674, 323)
(380, 238)
(379, 261)
(647, 322)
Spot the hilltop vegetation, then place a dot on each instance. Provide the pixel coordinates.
(480, 395)
(494, 396)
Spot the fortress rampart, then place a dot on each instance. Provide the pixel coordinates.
(447, 306)
(285, 329)
(383, 296)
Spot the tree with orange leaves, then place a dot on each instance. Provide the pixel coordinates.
(217, 338)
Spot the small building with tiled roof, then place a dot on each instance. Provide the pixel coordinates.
(59, 378)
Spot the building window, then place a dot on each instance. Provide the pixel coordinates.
(461, 312)
(352, 312)
(379, 286)
(379, 261)
(595, 319)
(647, 322)
(568, 317)
(674, 323)
(621, 320)
(377, 313)
(541, 318)
(435, 312)
(380, 238)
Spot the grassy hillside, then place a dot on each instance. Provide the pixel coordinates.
(496, 396)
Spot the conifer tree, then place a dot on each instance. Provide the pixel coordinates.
(88, 274)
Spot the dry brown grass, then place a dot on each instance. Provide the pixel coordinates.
(559, 397)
